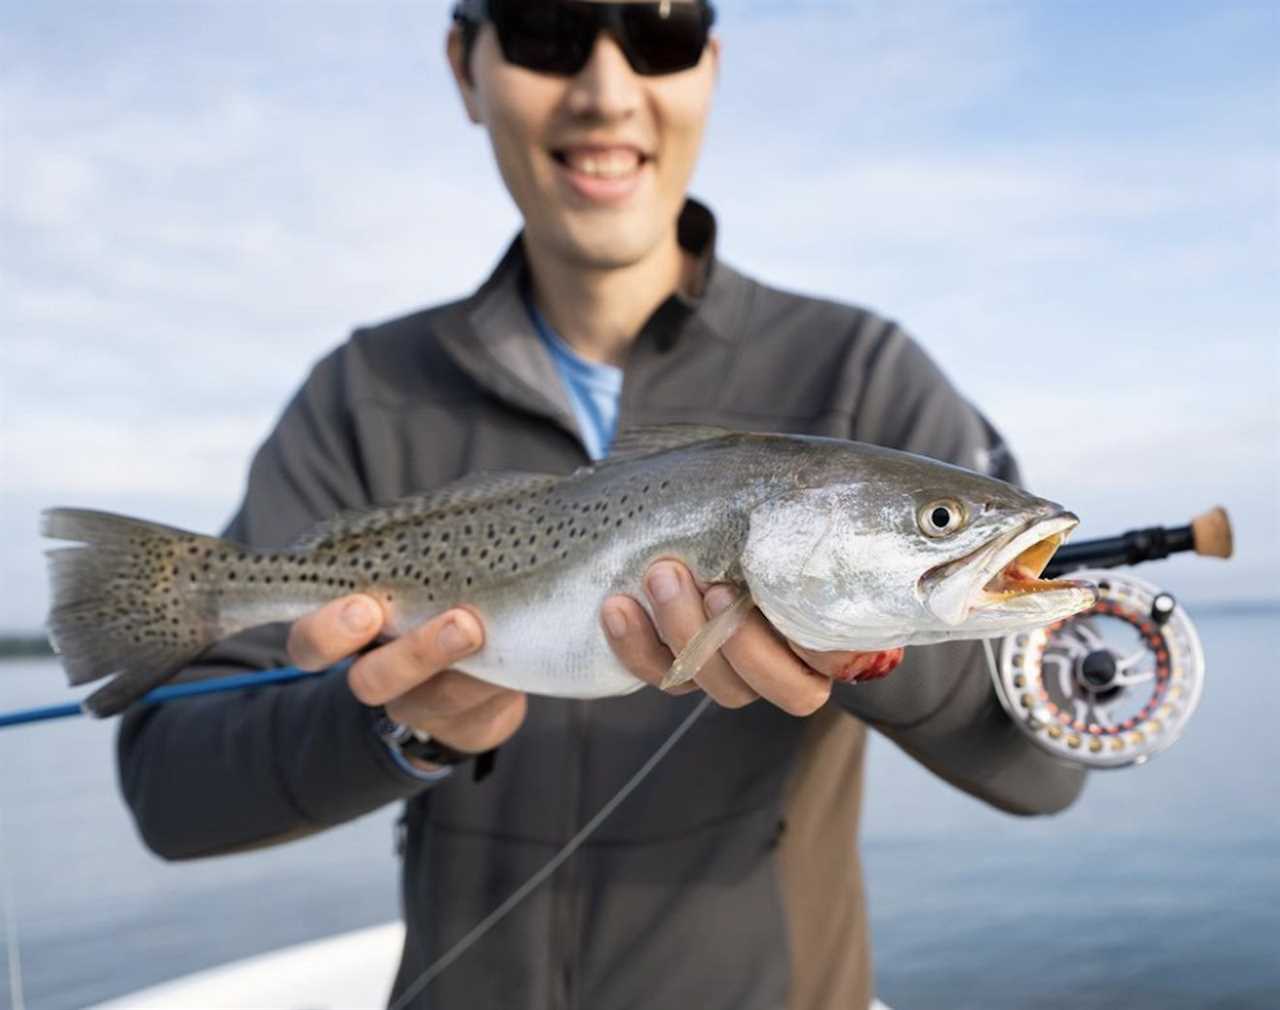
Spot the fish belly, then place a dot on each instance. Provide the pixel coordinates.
(548, 643)
(544, 636)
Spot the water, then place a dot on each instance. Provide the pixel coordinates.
(1159, 889)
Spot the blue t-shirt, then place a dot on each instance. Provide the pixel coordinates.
(594, 389)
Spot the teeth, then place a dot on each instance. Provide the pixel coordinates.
(604, 164)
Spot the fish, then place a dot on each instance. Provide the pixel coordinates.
(841, 545)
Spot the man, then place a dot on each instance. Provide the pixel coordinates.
(730, 878)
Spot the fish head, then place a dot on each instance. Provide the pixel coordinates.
(907, 550)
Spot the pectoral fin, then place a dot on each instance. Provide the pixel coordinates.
(704, 644)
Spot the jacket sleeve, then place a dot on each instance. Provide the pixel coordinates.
(940, 705)
(220, 773)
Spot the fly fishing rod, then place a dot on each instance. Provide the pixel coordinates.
(1208, 534)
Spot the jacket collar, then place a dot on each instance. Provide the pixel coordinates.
(491, 336)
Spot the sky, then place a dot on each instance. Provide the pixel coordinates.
(1075, 207)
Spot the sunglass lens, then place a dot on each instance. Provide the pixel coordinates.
(544, 35)
(663, 38)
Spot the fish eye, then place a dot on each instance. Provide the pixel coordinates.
(941, 518)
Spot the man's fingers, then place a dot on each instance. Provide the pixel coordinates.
(765, 663)
(679, 614)
(481, 728)
(635, 642)
(447, 694)
(415, 657)
(852, 667)
(334, 632)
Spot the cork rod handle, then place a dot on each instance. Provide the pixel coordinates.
(1211, 533)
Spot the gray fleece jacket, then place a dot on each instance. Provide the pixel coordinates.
(730, 879)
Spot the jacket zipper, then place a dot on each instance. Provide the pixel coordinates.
(565, 925)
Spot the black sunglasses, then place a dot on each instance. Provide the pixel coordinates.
(558, 36)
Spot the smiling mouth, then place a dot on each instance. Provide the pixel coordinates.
(602, 162)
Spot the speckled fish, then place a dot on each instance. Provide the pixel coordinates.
(841, 546)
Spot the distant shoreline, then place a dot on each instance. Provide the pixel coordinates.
(24, 646)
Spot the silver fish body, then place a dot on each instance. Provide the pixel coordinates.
(825, 536)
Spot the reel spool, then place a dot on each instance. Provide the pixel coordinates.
(1111, 686)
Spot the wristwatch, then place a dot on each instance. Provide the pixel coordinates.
(414, 743)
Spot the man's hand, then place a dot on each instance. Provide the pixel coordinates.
(755, 663)
(411, 675)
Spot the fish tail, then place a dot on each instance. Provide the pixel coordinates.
(129, 601)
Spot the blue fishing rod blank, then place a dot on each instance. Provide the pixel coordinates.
(172, 692)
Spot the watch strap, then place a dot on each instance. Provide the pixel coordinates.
(422, 746)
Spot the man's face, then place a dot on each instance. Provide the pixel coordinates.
(598, 163)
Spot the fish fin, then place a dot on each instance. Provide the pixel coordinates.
(703, 645)
(645, 439)
(474, 489)
(120, 608)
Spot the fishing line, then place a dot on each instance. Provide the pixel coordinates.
(570, 847)
(10, 910)
(991, 659)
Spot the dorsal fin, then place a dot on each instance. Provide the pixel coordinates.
(482, 488)
(646, 439)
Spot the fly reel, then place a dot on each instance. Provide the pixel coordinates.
(1108, 687)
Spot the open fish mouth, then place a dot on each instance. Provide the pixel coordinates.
(1004, 575)
(1018, 564)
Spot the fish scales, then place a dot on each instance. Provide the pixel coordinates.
(534, 555)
